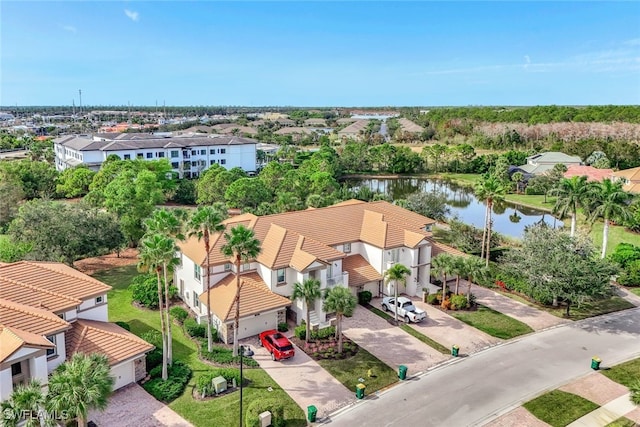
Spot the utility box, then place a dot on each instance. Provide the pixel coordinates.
(265, 419)
(219, 384)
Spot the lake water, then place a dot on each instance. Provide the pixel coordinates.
(508, 219)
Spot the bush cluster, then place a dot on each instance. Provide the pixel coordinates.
(124, 325)
(458, 302)
(203, 384)
(144, 290)
(283, 327)
(320, 334)
(224, 356)
(194, 329)
(173, 386)
(259, 406)
(364, 297)
(179, 313)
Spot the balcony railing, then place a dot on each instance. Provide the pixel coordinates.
(338, 279)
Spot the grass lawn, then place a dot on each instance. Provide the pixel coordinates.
(617, 235)
(534, 201)
(635, 290)
(469, 179)
(624, 373)
(492, 322)
(586, 309)
(622, 422)
(408, 329)
(559, 408)
(348, 371)
(221, 412)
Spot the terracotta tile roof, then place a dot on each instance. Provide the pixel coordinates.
(13, 339)
(632, 174)
(632, 188)
(54, 277)
(360, 271)
(255, 297)
(91, 336)
(439, 248)
(590, 172)
(30, 319)
(34, 296)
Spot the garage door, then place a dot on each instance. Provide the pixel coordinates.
(254, 325)
(123, 374)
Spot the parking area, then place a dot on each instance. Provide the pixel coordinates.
(389, 343)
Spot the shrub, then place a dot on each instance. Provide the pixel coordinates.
(433, 299)
(124, 325)
(179, 313)
(194, 329)
(154, 358)
(144, 290)
(283, 327)
(324, 333)
(153, 337)
(630, 276)
(446, 304)
(459, 302)
(259, 406)
(471, 300)
(173, 386)
(203, 385)
(364, 297)
(224, 356)
(301, 331)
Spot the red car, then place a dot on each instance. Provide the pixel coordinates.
(276, 344)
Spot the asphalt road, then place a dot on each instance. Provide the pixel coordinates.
(474, 390)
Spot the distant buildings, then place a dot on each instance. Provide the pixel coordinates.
(630, 179)
(189, 155)
(543, 162)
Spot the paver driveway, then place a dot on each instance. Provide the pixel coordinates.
(133, 406)
(305, 381)
(389, 343)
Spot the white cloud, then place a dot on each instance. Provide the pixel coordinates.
(134, 16)
(70, 28)
(527, 61)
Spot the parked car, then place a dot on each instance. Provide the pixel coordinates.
(276, 344)
(406, 309)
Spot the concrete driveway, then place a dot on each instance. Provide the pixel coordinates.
(389, 343)
(133, 406)
(305, 381)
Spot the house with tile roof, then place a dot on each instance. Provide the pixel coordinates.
(592, 174)
(189, 154)
(350, 244)
(630, 179)
(540, 163)
(49, 311)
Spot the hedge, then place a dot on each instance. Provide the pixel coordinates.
(259, 406)
(171, 388)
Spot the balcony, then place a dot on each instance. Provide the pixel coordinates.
(338, 279)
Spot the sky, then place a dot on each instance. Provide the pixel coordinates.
(330, 53)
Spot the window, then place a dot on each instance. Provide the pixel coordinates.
(329, 271)
(281, 275)
(197, 272)
(394, 255)
(194, 152)
(245, 267)
(203, 152)
(223, 162)
(175, 154)
(149, 155)
(16, 369)
(99, 300)
(211, 162)
(127, 156)
(223, 150)
(61, 315)
(346, 248)
(227, 267)
(139, 156)
(52, 351)
(212, 151)
(160, 154)
(175, 165)
(196, 301)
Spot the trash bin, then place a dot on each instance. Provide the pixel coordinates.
(402, 372)
(454, 350)
(360, 390)
(312, 411)
(595, 363)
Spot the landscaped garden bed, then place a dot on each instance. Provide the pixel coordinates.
(323, 344)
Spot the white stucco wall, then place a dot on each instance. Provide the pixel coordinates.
(61, 353)
(92, 311)
(6, 386)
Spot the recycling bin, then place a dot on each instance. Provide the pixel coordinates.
(595, 363)
(402, 372)
(312, 412)
(454, 350)
(360, 390)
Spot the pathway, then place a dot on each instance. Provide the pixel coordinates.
(305, 381)
(536, 319)
(389, 343)
(628, 295)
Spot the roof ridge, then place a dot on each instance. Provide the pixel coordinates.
(83, 333)
(129, 336)
(38, 312)
(46, 291)
(64, 273)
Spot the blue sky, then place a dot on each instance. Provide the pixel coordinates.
(329, 53)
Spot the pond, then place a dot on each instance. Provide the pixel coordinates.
(508, 219)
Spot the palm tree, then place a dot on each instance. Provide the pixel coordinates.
(489, 190)
(398, 275)
(205, 221)
(169, 224)
(243, 246)
(443, 265)
(474, 268)
(608, 201)
(309, 292)
(459, 268)
(153, 255)
(339, 300)
(572, 193)
(83, 382)
(25, 403)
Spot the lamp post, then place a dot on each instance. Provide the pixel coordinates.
(241, 379)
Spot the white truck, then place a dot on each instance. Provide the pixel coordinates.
(406, 309)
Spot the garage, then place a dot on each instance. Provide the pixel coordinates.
(260, 322)
(123, 374)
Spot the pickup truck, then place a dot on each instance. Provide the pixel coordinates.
(406, 309)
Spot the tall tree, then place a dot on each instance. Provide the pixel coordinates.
(83, 382)
(474, 268)
(205, 221)
(309, 292)
(443, 266)
(609, 201)
(459, 269)
(572, 193)
(24, 405)
(398, 275)
(339, 300)
(489, 190)
(153, 253)
(242, 245)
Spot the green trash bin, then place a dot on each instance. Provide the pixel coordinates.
(312, 411)
(454, 350)
(360, 390)
(595, 363)
(402, 372)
